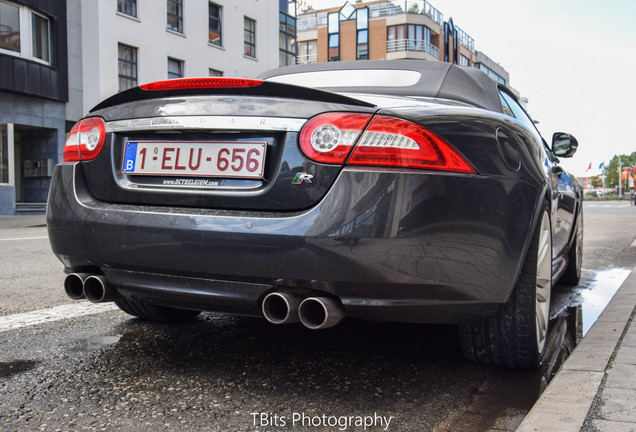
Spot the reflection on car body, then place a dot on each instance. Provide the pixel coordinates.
(314, 194)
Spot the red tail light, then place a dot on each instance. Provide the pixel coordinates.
(85, 140)
(199, 83)
(386, 142)
(393, 142)
(329, 138)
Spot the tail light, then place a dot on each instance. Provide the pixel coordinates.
(85, 140)
(386, 142)
(329, 138)
(199, 83)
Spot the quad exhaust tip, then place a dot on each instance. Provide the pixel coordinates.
(281, 307)
(74, 285)
(94, 288)
(318, 313)
(313, 312)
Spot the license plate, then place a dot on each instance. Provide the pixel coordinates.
(198, 159)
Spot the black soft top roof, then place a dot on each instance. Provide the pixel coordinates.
(437, 79)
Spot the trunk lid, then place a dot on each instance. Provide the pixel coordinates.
(255, 128)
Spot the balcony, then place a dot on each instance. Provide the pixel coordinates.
(396, 7)
(313, 20)
(465, 40)
(412, 45)
(307, 58)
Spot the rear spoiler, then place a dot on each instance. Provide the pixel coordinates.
(261, 88)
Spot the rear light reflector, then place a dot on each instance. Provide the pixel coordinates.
(85, 140)
(329, 138)
(393, 142)
(200, 83)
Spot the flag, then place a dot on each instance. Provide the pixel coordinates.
(602, 165)
(589, 167)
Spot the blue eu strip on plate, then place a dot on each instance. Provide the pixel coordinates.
(130, 156)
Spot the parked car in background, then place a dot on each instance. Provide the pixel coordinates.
(404, 191)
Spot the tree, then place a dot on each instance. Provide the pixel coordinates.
(597, 182)
(611, 169)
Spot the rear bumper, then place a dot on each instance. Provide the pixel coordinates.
(407, 247)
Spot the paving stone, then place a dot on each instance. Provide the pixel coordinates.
(613, 426)
(621, 376)
(630, 337)
(626, 355)
(618, 405)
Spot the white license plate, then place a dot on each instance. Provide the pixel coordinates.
(201, 159)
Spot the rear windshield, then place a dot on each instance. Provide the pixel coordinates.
(351, 78)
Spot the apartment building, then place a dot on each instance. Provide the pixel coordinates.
(398, 29)
(33, 95)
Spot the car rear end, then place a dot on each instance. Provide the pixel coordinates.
(253, 198)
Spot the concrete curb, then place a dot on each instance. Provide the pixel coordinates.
(565, 404)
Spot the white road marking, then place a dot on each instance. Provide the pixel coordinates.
(634, 243)
(24, 238)
(57, 313)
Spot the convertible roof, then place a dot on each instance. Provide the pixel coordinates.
(436, 79)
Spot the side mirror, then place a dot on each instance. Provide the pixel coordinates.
(564, 144)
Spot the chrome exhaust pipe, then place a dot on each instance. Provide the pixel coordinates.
(320, 312)
(97, 289)
(74, 285)
(281, 307)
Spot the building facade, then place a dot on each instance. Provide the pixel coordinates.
(33, 95)
(119, 44)
(398, 29)
(59, 58)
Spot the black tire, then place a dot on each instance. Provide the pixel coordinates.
(572, 273)
(516, 335)
(154, 312)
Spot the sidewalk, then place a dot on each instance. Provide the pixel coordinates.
(595, 390)
(23, 221)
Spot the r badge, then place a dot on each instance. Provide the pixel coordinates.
(302, 177)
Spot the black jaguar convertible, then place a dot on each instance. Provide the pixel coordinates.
(404, 191)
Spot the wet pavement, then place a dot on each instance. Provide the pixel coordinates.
(108, 370)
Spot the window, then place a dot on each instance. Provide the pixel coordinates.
(509, 104)
(128, 7)
(362, 48)
(24, 33)
(127, 67)
(4, 154)
(333, 41)
(249, 31)
(362, 28)
(308, 51)
(40, 38)
(215, 73)
(215, 31)
(492, 74)
(287, 39)
(9, 27)
(175, 15)
(463, 60)
(175, 68)
(334, 47)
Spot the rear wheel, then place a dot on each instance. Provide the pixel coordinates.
(516, 335)
(154, 312)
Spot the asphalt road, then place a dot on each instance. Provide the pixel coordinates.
(108, 371)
